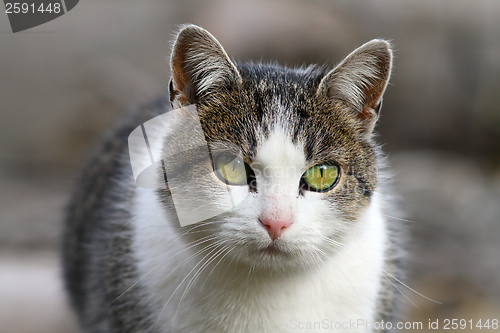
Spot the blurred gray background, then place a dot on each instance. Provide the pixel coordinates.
(63, 83)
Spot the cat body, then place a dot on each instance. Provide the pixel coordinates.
(293, 255)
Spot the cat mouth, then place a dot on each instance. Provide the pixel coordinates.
(274, 249)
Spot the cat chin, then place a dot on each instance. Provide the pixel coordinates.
(280, 264)
(276, 257)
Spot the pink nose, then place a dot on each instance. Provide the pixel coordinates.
(275, 227)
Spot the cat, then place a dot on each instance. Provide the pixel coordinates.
(306, 246)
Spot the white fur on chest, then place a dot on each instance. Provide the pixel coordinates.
(229, 298)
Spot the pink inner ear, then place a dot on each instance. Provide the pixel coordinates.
(366, 114)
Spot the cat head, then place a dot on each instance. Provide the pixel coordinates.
(293, 146)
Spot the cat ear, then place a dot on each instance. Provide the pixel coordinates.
(199, 66)
(360, 80)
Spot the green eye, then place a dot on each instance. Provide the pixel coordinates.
(231, 169)
(320, 178)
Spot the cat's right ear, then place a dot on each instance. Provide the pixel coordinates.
(360, 81)
(199, 66)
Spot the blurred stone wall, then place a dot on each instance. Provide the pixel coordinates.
(64, 82)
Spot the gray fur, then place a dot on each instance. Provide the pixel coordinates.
(97, 259)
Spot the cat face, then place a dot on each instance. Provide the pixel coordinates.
(292, 146)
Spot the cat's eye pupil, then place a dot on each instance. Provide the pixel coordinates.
(320, 178)
(231, 170)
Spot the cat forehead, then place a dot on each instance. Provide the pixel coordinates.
(277, 80)
(280, 101)
(279, 150)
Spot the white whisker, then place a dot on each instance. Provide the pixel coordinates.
(190, 245)
(385, 272)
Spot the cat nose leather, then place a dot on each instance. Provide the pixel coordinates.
(274, 227)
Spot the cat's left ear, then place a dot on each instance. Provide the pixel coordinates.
(360, 80)
(199, 65)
